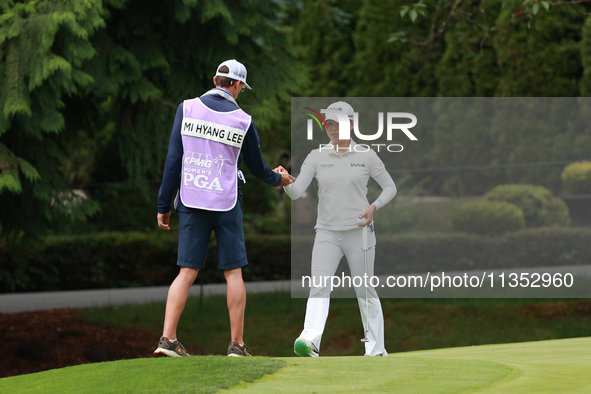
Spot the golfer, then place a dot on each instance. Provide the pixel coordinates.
(209, 137)
(342, 172)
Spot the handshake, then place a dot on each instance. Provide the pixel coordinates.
(286, 179)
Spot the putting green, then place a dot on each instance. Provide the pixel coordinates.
(557, 366)
(384, 375)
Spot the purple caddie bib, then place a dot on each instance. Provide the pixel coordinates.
(211, 144)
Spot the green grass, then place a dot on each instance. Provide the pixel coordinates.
(206, 374)
(560, 366)
(273, 321)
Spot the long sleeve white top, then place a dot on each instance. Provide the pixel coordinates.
(342, 185)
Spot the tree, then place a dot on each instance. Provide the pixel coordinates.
(479, 18)
(43, 46)
(443, 48)
(385, 67)
(110, 74)
(322, 31)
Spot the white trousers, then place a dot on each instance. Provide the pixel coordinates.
(329, 249)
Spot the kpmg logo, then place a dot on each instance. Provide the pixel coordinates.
(392, 125)
(197, 171)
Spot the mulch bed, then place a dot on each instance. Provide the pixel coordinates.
(38, 341)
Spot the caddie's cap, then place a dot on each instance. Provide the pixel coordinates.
(339, 106)
(236, 71)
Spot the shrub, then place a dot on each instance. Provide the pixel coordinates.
(576, 178)
(453, 251)
(131, 259)
(488, 218)
(538, 247)
(539, 206)
(119, 260)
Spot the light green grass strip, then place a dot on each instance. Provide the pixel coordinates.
(205, 374)
(379, 375)
(558, 366)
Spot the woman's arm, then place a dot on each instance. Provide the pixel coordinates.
(388, 192)
(388, 189)
(298, 188)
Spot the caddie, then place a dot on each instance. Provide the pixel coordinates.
(211, 135)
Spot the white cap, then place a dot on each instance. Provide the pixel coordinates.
(237, 71)
(339, 106)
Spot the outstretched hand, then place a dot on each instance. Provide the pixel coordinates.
(286, 179)
(367, 215)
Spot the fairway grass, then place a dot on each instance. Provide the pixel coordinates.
(201, 374)
(556, 366)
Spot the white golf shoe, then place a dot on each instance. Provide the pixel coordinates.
(304, 348)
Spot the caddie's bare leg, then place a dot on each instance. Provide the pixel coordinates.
(177, 298)
(236, 303)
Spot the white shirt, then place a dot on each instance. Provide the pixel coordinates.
(342, 184)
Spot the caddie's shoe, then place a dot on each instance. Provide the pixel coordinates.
(235, 350)
(304, 348)
(170, 349)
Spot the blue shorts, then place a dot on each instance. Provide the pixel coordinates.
(195, 230)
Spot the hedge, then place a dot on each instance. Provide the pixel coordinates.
(488, 218)
(539, 247)
(576, 178)
(130, 259)
(539, 206)
(436, 252)
(120, 260)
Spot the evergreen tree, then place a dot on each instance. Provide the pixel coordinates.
(98, 82)
(468, 67)
(323, 34)
(585, 84)
(43, 45)
(540, 57)
(386, 67)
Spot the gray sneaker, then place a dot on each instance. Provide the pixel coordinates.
(304, 348)
(169, 349)
(235, 350)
